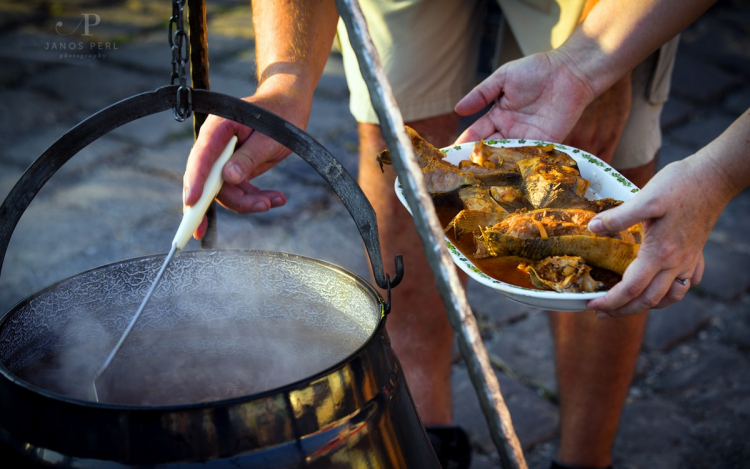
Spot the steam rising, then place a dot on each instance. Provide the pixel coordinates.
(217, 336)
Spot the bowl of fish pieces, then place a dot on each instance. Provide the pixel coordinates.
(516, 215)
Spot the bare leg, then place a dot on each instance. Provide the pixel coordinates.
(595, 362)
(418, 326)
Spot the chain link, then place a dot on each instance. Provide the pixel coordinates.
(179, 41)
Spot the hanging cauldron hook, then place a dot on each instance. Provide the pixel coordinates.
(208, 102)
(395, 281)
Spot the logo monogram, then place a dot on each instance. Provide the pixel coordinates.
(86, 21)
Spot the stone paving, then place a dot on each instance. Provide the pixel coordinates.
(120, 198)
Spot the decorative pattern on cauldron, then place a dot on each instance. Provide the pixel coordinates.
(243, 313)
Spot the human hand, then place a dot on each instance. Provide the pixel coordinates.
(254, 155)
(540, 96)
(679, 208)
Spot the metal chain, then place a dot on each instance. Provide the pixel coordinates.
(180, 44)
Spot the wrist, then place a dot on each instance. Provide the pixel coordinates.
(724, 160)
(716, 178)
(286, 79)
(572, 62)
(287, 97)
(586, 60)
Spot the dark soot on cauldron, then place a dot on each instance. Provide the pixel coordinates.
(195, 362)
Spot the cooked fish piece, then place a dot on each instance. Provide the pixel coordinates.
(425, 152)
(547, 184)
(511, 198)
(565, 274)
(509, 156)
(537, 234)
(543, 223)
(495, 157)
(440, 176)
(596, 206)
(472, 221)
(500, 177)
(491, 176)
(480, 210)
(557, 157)
(478, 198)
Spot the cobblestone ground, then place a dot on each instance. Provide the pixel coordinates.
(120, 198)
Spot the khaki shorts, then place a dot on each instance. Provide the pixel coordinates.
(429, 50)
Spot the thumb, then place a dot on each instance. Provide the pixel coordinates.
(482, 129)
(621, 217)
(472, 103)
(490, 89)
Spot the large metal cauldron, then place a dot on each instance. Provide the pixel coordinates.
(315, 384)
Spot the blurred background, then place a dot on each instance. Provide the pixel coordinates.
(120, 198)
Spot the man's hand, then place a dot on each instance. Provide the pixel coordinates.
(537, 97)
(255, 154)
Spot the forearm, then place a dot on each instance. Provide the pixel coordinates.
(616, 36)
(293, 41)
(724, 164)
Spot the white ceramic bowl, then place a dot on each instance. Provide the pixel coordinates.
(605, 182)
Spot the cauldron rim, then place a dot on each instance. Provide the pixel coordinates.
(298, 384)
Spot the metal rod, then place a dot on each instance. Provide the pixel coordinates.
(198, 34)
(125, 334)
(431, 233)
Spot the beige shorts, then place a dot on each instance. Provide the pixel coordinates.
(429, 50)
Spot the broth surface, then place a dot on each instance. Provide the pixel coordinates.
(504, 269)
(195, 364)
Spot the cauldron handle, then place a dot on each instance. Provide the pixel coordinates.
(208, 102)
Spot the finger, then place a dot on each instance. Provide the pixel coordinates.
(206, 150)
(246, 198)
(634, 282)
(256, 155)
(471, 103)
(649, 298)
(622, 217)
(482, 129)
(200, 232)
(676, 292)
(697, 276)
(482, 95)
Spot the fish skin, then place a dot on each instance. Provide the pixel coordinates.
(546, 184)
(480, 210)
(565, 234)
(440, 176)
(478, 198)
(601, 251)
(471, 221)
(500, 177)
